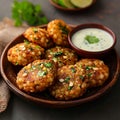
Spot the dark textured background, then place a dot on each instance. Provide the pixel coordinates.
(106, 12)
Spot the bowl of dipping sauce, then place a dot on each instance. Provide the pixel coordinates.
(92, 40)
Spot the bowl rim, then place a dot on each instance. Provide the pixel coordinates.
(70, 9)
(91, 25)
(54, 103)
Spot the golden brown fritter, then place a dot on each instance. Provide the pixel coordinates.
(59, 30)
(24, 53)
(74, 80)
(36, 76)
(61, 56)
(96, 72)
(69, 83)
(38, 35)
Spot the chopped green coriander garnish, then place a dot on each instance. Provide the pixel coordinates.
(64, 29)
(37, 46)
(92, 39)
(89, 75)
(35, 30)
(73, 69)
(16, 63)
(70, 87)
(48, 65)
(81, 77)
(88, 67)
(26, 41)
(33, 67)
(67, 79)
(58, 54)
(80, 66)
(42, 73)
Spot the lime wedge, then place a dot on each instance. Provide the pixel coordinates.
(66, 3)
(81, 3)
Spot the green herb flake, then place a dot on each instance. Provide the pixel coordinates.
(48, 65)
(64, 29)
(88, 67)
(70, 87)
(58, 54)
(67, 79)
(37, 46)
(35, 30)
(16, 63)
(81, 77)
(33, 67)
(26, 42)
(80, 66)
(89, 75)
(92, 39)
(42, 73)
(73, 70)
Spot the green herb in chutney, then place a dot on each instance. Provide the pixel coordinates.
(92, 39)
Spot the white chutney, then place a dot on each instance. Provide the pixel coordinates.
(105, 39)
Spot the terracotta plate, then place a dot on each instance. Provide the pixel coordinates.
(9, 72)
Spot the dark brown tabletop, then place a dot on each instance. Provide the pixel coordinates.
(107, 107)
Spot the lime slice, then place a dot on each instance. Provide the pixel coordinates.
(66, 3)
(81, 3)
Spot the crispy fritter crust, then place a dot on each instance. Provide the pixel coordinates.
(24, 53)
(39, 36)
(37, 76)
(74, 80)
(69, 84)
(59, 30)
(62, 56)
(96, 71)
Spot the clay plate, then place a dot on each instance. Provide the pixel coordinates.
(9, 72)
